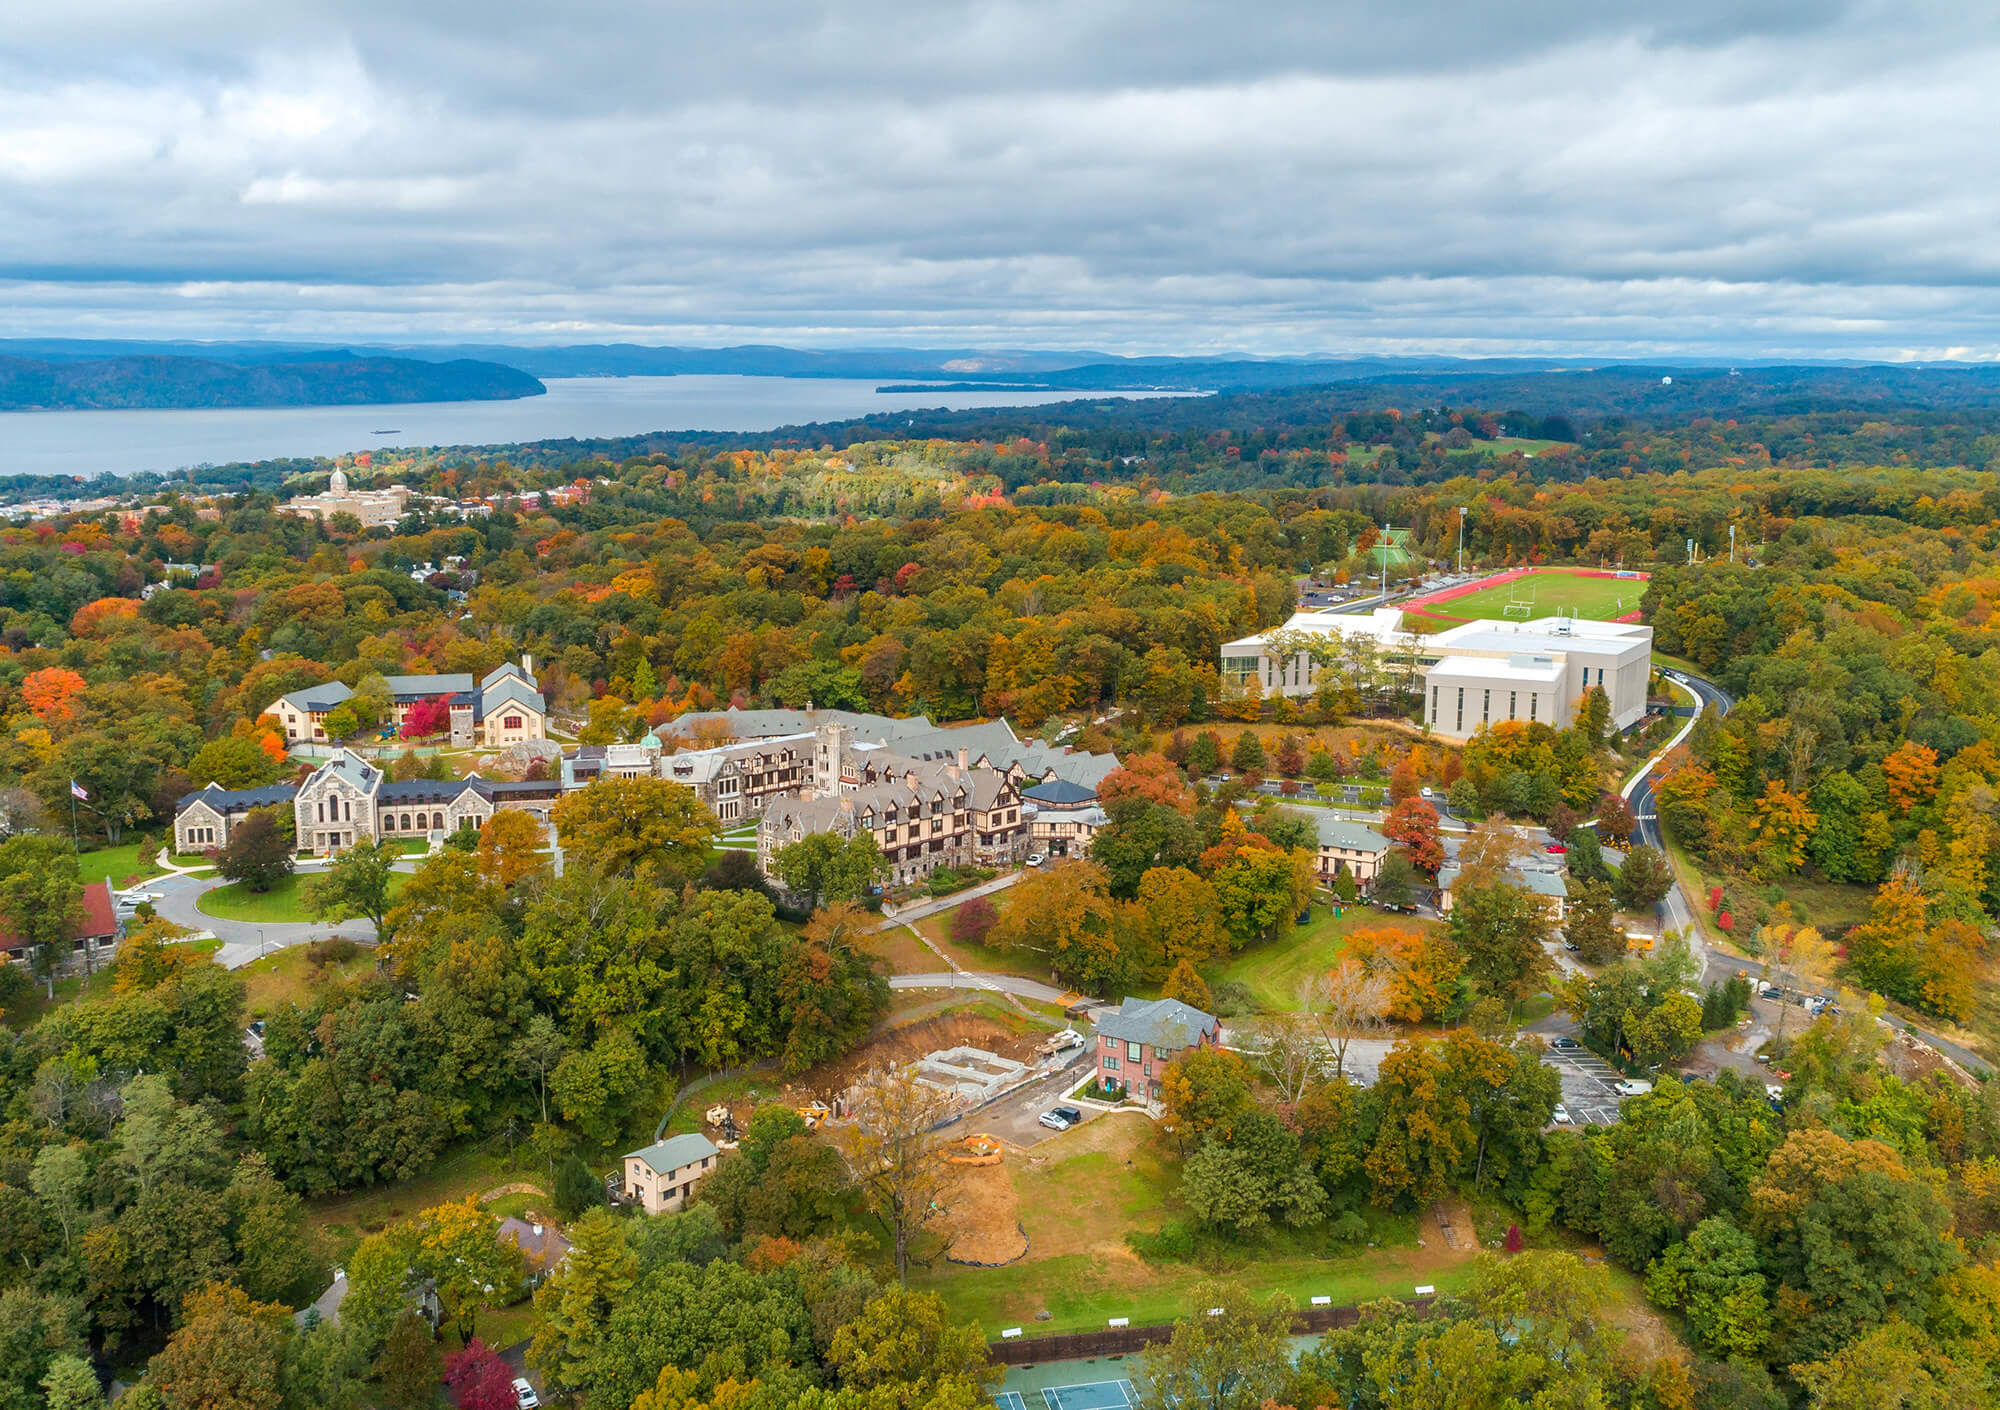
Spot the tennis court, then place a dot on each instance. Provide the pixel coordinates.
(1091, 1395)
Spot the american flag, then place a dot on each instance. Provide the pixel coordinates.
(77, 790)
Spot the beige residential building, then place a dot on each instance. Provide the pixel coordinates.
(503, 709)
(661, 1177)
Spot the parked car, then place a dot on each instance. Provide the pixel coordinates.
(1774, 1093)
(1569, 944)
(1562, 1042)
(1036, 859)
(1070, 1114)
(1632, 1087)
(1561, 1115)
(524, 1394)
(1056, 1118)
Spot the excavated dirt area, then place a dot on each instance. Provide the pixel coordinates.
(984, 1217)
(916, 1040)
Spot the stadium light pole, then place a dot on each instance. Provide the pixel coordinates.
(1461, 540)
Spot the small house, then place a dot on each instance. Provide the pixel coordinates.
(542, 1248)
(662, 1176)
(1136, 1041)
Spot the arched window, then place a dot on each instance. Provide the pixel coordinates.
(388, 822)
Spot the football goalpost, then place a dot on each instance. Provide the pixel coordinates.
(1522, 607)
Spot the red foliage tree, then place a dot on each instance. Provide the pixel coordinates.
(479, 1379)
(972, 922)
(1413, 826)
(427, 718)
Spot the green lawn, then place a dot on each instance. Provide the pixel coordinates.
(1598, 598)
(1274, 972)
(121, 865)
(280, 905)
(1084, 1191)
(289, 977)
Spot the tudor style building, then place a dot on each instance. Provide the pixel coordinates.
(922, 815)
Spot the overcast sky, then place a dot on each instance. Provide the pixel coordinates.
(1731, 177)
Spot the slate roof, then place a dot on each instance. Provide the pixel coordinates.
(225, 800)
(1336, 831)
(669, 1155)
(1059, 793)
(422, 790)
(317, 699)
(1163, 1024)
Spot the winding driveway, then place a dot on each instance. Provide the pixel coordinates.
(243, 940)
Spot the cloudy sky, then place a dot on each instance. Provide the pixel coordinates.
(1728, 177)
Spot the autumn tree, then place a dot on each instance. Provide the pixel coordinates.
(1420, 968)
(620, 824)
(1064, 913)
(51, 693)
(1911, 772)
(459, 1248)
(891, 1145)
(510, 846)
(225, 1353)
(1151, 777)
(260, 850)
(1615, 821)
(1174, 920)
(1413, 826)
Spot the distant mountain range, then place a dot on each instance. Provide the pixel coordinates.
(294, 378)
(923, 369)
(74, 373)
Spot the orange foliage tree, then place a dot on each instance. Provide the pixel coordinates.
(1912, 773)
(1421, 967)
(94, 615)
(51, 693)
(1149, 776)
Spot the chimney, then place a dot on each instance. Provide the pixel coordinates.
(964, 760)
(528, 664)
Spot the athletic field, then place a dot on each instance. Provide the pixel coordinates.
(1549, 593)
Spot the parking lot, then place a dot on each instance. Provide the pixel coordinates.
(1586, 1085)
(1016, 1118)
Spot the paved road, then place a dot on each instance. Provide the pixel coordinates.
(993, 983)
(1718, 965)
(242, 940)
(909, 914)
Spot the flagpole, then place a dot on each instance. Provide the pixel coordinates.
(73, 846)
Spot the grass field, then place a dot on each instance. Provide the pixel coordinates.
(121, 865)
(1081, 1193)
(1274, 972)
(280, 905)
(287, 978)
(1600, 599)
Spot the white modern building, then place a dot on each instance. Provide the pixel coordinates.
(1475, 674)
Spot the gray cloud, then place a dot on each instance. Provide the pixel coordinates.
(1783, 178)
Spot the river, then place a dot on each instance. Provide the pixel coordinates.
(125, 442)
